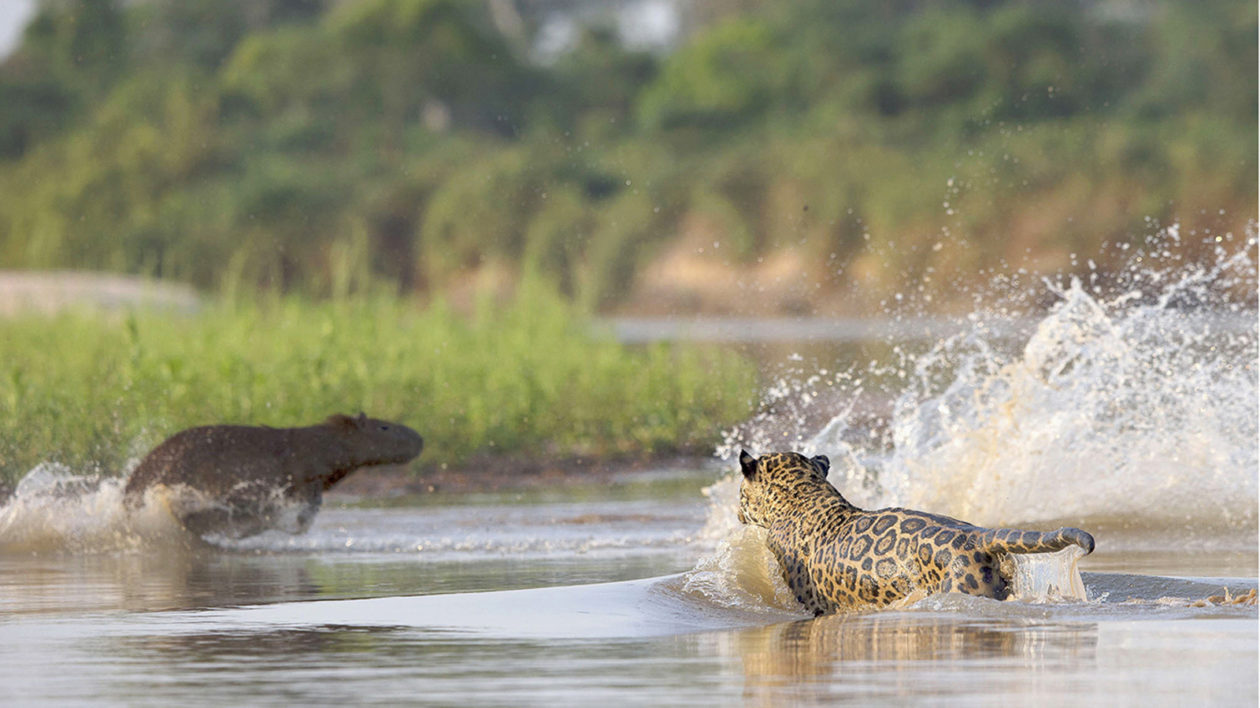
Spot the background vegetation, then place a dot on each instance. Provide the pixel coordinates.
(318, 147)
(528, 380)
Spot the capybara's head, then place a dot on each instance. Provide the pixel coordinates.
(376, 442)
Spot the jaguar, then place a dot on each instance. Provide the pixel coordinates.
(836, 557)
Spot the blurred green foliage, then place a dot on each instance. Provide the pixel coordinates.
(529, 380)
(321, 147)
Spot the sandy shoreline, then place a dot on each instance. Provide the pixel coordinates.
(52, 292)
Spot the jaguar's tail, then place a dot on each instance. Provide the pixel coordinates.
(1017, 541)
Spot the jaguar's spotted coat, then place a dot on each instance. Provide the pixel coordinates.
(836, 556)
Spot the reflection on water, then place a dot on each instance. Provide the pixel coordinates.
(149, 581)
(909, 655)
(882, 658)
(904, 658)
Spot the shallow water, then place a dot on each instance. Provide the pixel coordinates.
(502, 600)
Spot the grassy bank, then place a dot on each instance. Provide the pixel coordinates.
(526, 379)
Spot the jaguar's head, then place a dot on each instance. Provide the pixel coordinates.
(775, 481)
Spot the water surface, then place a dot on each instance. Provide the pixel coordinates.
(508, 601)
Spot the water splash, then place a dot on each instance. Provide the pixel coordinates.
(1131, 403)
(1048, 577)
(721, 520)
(741, 574)
(54, 508)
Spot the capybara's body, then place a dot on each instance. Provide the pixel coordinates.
(241, 480)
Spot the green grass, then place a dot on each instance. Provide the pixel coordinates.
(526, 379)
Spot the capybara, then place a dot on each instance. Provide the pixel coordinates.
(241, 480)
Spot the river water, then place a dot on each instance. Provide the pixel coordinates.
(636, 594)
(1130, 414)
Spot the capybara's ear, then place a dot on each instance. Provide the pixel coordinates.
(361, 421)
(823, 464)
(747, 463)
(338, 420)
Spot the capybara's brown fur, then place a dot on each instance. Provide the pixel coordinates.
(238, 480)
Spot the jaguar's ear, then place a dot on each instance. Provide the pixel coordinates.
(747, 463)
(823, 465)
